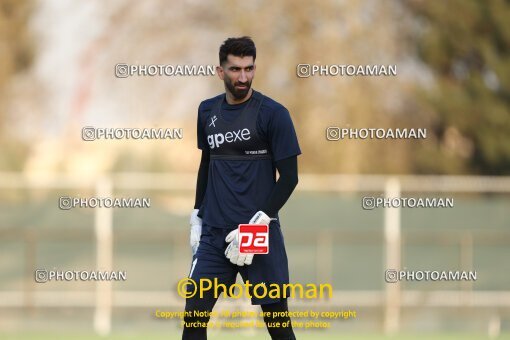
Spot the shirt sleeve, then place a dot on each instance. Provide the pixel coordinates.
(288, 170)
(201, 137)
(202, 179)
(282, 136)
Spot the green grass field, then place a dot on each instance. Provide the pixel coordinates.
(309, 336)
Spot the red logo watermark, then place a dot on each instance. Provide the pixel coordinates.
(253, 239)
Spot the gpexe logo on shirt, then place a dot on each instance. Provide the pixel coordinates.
(253, 239)
(229, 137)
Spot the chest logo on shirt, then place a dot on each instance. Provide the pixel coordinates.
(217, 139)
(213, 120)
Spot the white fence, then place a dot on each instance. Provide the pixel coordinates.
(391, 300)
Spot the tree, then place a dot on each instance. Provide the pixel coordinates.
(466, 44)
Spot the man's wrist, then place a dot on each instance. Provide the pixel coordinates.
(260, 217)
(194, 219)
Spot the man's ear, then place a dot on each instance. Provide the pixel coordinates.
(220, 72)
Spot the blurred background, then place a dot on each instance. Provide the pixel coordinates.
(57, 63)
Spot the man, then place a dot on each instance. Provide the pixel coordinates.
(244, 137)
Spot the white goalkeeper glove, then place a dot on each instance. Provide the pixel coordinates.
(195, 231)
(232, 251)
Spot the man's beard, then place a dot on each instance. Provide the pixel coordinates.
(237, 93)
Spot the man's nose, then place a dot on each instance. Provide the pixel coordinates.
(243, 77)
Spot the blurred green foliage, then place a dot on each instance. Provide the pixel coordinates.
(466, 43)
(454, 58)
(16, 56)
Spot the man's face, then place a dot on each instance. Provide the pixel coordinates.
(237, 73)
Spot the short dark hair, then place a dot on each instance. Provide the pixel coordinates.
(239, 47)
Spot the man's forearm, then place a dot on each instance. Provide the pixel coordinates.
(203, 172)
(287, 169)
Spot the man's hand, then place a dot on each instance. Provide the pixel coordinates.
(260, 218)
(232, 251)
(195, 232)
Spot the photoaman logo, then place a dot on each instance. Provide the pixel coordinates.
(253, 239)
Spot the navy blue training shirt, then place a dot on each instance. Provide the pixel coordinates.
(244, 141)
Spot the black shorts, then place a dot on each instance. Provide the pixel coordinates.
(272, 268)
